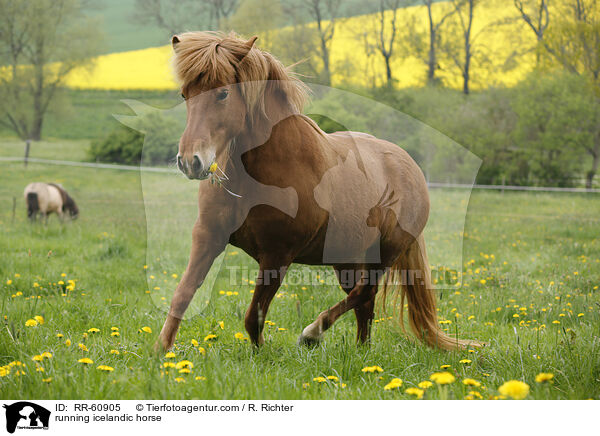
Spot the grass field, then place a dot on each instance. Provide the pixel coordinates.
(530, 289)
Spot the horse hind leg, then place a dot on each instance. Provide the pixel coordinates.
(358, 299)
(364, 313)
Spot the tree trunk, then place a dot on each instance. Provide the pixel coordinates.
(326, 75)
(388, 70)
(432, 62)
(466, 78)
(589, 176)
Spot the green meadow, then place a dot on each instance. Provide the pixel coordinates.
(529, 288)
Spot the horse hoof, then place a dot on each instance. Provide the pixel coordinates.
(308, 341)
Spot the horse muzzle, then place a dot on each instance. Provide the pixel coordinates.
(192, 168)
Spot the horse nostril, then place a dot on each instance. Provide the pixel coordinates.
(179, 163)
(196, 164)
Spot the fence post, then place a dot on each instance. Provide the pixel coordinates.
(27, 145)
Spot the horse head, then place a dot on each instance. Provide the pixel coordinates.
(227, 85)
(71, 207)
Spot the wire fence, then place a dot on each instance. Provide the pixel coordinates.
(173, 170)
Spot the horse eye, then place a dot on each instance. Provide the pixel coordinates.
(222, 95)
(182, 96)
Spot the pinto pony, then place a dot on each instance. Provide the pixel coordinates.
(46, 198)
(288, 192)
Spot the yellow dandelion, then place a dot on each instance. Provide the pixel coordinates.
(86, 361)
(515, 389)
(416, 392)
(222, 325)
(114, 352)
(105, 368)
(31, 323)
(333, 378)
(240, 336)
(47, 355)
(210, 337)
(60, 335)
(47, 380)
(465, 361)
(37, 358)
(320, 379)
(169, 365)
(83, 347)
(425, 384)
(374, 368)
(170, 355)
(68, 342)
(115, 334)
(201, 350)
(471, 382)
(445, 366)
(180, 380)
(393, 384)
(184, 364)
(199, 377)
(544, 377)
(93, 330)
(442, 378)
(185, 371)
(194, 342)
(146, 329)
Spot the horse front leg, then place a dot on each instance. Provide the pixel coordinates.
(269, 279)
(203, 253)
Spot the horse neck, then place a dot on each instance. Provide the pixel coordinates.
(263, 133)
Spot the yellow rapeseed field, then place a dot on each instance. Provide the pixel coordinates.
(352, 62)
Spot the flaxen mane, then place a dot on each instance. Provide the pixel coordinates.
(214, 59)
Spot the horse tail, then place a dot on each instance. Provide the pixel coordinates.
(33, 205)
(412, 269)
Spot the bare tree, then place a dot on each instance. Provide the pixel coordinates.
(41, 43)
(535, 14)
(461, 51)
(175, 16)
(325, 15)
(386, 38)
(434, 30)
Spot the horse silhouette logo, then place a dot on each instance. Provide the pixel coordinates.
(26, 415)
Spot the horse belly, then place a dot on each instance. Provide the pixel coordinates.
(53, 200)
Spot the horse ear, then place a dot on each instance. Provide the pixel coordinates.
(175, 40)
(247, 46)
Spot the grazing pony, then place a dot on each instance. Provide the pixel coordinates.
(288, 192)
(45, 198)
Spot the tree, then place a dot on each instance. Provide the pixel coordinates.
(558, 124)
(461, 51)
(535, 13)
(325, 15)
(573, 43)
(434, 29)
(387, 38)
(250, 19)
(176, 16)
(41, 42)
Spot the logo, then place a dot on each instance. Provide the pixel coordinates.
(26, 415)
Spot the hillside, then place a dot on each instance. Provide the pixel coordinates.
(498, 44)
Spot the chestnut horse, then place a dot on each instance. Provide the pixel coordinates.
(288, 192)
